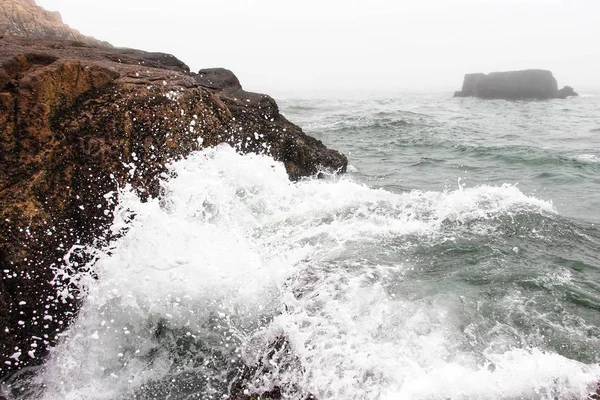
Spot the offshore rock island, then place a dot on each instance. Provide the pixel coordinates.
(514, 85)
(78, 120)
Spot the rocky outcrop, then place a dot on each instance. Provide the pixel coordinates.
(566, 91)
(79, 121)
(25, 19)
(513, 85)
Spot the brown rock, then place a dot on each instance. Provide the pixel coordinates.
(74, 119)
(24, 18)
(218, 78)
(596, 394)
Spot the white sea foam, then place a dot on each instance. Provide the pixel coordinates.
(234, 252)
(591, 158)
(515, 374)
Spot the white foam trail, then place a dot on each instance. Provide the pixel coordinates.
(360, 344)
(515, 374)
(591, 158)
(234, 250)
(356, 341)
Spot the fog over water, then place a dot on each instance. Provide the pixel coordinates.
(381, 45)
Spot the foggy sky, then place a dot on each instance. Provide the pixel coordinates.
(280, 46)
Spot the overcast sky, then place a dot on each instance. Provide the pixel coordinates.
(280, 46)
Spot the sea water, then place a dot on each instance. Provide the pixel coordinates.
(459, 258)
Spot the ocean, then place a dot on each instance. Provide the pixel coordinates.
(459, 258)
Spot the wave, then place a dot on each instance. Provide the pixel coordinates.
(589, 158)
(234, 255)
(405, 131)
(535, 157)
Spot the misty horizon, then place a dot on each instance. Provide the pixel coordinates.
(329, 47)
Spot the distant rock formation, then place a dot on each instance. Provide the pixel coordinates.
(24, 18)
(566, 91)
(79, 121)
(514, 85)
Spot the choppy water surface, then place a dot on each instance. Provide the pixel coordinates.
(459, 258)
(429, 142)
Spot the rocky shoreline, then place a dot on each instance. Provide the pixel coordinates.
(24, 18)
(78, 121)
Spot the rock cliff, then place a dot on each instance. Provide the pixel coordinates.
(513, 85)
(24, 18)
(78, 121)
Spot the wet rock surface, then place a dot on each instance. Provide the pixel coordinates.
(77, 122)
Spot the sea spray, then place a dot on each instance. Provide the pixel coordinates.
(363, 283)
